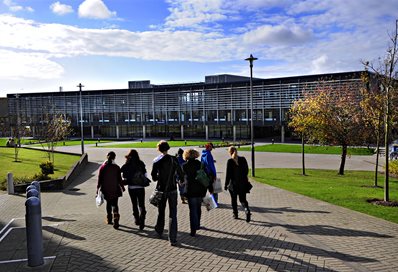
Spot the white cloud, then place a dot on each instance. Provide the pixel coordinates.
(193, 13)
(16, 65)
(12, 6)
(60, 9)
(277, 35)
(95, 9)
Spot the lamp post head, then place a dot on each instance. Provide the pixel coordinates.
(251, 59)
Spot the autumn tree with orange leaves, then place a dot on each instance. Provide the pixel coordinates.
(331, 116)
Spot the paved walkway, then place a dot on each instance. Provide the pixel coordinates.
(289, 232)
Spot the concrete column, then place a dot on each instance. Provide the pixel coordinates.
(207, 132)
(117, 132)
(10, 184)
(234, 132)
(92, 132)
(143, 132)
(182, 132)
(282, 134)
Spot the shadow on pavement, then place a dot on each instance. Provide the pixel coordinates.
(240, 246)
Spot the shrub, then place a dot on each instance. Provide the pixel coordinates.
(393, 168)
(47, 168)
(40, 176)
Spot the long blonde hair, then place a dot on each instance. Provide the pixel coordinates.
(234, 154)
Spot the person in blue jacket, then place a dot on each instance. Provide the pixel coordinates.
(208, 161)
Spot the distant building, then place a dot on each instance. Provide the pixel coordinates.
(4, 122)
(217, 108)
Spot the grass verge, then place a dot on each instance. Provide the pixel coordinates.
(152, 144)
(351, 190)
(310, 149)
(28, 164)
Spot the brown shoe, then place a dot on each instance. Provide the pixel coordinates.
(108, 219)
(116, 218)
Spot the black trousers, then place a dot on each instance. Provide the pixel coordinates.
(242, 200)
(137, 197)
(112, 206)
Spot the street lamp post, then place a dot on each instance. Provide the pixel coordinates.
(251, 59)
(81, 117)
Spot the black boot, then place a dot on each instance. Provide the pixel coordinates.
(236, 215)
(142, 220)
(248, 215)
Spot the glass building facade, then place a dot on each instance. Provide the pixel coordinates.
(220, 107)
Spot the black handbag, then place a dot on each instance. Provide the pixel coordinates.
(156, 198)
(157, 195)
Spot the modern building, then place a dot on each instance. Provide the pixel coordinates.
(219, 107)
(4, 124)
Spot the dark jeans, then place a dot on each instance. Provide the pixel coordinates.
(137, 197)
(112, 206)
(195, 212)
(171, 198)
(242, 200)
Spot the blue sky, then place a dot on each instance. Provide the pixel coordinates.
(105, 43)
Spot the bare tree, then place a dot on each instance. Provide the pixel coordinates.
(56, 128)
(386, 73)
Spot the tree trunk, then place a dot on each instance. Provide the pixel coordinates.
(343, 158)
(377, 160)
(302, 154)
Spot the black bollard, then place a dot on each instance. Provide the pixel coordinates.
(37, 185)
(34, 235)
(32, 192)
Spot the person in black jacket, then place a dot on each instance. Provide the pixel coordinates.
(237, 182)
(164, 170)
(195, 190)
(133, 167)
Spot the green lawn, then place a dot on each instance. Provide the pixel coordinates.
(152, 144)
(309, 149)
(3, 141)
(29, 161)
(351, 190)
(75, 142)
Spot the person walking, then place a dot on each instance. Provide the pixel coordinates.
(132, 169)
(210, 168)
(181, 185)
(237, 182)
(195, 190)
(164, 170)
(110, 184)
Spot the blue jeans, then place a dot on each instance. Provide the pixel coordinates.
(195, 212)
(171, 198)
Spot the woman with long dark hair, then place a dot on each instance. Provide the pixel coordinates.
(110, 184)
(132, 168)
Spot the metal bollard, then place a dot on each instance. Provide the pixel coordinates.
(34, 235)
(10, 184)
(37, 185)
(32, 192)
(30, 187)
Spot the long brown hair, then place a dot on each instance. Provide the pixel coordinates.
(234, 153)
(132, 156)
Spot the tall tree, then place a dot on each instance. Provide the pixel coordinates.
(386, 72)
(302, 122)
(330, 116)
(372, 105)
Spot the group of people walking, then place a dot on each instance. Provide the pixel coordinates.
(171, 174)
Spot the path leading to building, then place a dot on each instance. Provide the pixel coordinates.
(289, 232)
